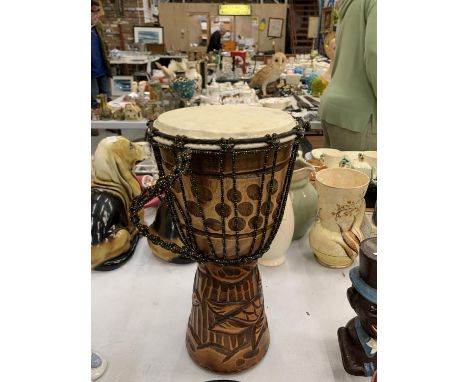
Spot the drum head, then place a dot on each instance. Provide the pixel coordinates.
(224, 121)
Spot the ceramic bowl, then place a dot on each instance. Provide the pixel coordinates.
(317, 153)
(276, 103)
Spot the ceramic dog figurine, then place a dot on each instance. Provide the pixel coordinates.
(113, 186)
(358, 339)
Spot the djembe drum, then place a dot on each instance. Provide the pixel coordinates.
(227, 196)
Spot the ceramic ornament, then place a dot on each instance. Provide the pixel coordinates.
(336, 236)
(104, 109)
(142, 88)
(358, 339)
(132, 112)
(269, 73)
(317, 86)
(184, 87)
(174, 67)
(113, 185)
(192, 74)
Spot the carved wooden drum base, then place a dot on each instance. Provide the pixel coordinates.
(227, 330)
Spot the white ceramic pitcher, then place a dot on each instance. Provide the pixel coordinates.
(282, 240)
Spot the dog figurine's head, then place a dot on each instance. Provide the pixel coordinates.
(112, 166)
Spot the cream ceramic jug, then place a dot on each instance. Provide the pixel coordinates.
(336, 236)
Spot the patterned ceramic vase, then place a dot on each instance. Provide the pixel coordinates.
(336, 236)
(282, 240)
(184, 87)
(303, 197)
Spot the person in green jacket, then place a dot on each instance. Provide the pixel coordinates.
(348, 107)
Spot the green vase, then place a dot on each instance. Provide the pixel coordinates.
(303, 197)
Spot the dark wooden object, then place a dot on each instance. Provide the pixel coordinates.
(360, 333)
(228, 205)
(164, 226)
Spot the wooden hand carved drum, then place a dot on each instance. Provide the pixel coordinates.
(225, 171)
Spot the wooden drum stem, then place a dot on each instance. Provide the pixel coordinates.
(227, 330)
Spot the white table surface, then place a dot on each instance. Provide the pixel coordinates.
(140, 314)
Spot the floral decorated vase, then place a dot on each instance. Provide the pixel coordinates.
(336, 235)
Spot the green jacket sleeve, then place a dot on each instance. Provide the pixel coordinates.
(370, 49)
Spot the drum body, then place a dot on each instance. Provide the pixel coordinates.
(228, 203)
(225, 208)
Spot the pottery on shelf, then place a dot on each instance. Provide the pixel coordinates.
(304, 198)
(336, 235)
(183, 87)
(358, 339)
(164, 226)
(132, 112)
(192, 74)
(104, 109)
(282, 241)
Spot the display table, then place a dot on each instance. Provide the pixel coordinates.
(131, 125)
(140, 313)
(139, 60)
(141, 125)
